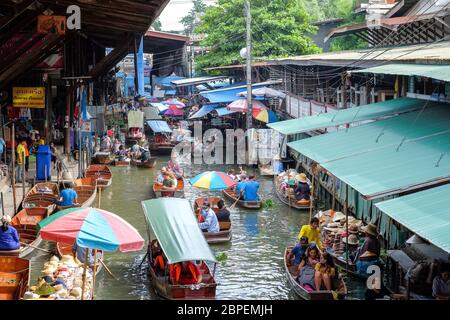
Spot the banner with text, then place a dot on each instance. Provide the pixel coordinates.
(29, 97)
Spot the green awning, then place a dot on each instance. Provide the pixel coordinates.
(375, 136)
(388, 171)
(174, 225)
(426, 213)
(440, 72)
(367, 112)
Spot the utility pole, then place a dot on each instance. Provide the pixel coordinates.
(249, 64)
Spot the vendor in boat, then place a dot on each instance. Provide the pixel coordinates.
(175, 167)
(184, 273)
(223, 215)
(325, 272)
(302, 190)
(145, 154)
(68, 197)
(441, 283)
(9, 237)
(80, 255)
(368, 254)
(298, 252)
(211, 223)
(251, 188)
(311, 231)
(351, 242)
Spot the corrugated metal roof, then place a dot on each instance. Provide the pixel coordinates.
(344, 116)
(374, 136)
(391, 170)
(159, 126)
(203, 111)
(440, 72)
(426, 213)
(198, 80)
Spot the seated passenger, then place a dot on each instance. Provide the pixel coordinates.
(232, 174)
(210, 224)
(184, 273)
(240, 186)
(68, 197)
(251, 190)
(160, 177)
(325, 272)
(223, 215)
(169, 183)
(307, 268)
(145, 154)
(298, 252)
(9, 238)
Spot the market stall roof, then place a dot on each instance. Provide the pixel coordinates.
(224, 111)
(174, 225)
(426, 213)
(196, 81)
(396, 168)
(440, 72)
(161, 106)
(167, 81)
(376, 135)
(207, 108)
(230, 94)
(159, 126)
(343, 116)
(151, 113)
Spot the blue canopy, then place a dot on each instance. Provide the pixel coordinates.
(159, 126)
(224, 111)
(207, 108)
(161, 106)
(228, 94)
(166, 81)
(170, 92)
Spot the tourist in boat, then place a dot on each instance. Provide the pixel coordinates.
(169, 183)
(175, 167)
(232, 174)
(242, 175)
(299, 250)
(441, 283)
(307, 268)
(211, 223)
(145, 154)
(240, 186)
(302, 190)
(311, 231)
(160, 177)
(223, 215)
(9, 237)
(251, 188)
(325, 272)
(68, 198)
(184, 273)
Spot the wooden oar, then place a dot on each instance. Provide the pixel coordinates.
(234, 204)
(107, 269)
(44, 250)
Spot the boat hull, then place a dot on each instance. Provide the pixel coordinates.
(229, 194)
(177, 193)
(150, 163)
(293, 203)
(14, 277)
(101, 173)
(225, 233)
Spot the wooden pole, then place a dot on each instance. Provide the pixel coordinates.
(311, 199)
(86, 258)
(99, 197)
(3, 205)
(333, 203)
(107, 269)
(13, 163)
(346, 227)
(94, 274)
(23, 179)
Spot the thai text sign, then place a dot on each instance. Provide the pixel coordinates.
(29, 97)
(51, 24)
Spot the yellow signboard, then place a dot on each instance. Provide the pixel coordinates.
(29, 97)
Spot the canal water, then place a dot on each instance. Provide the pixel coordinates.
(253, 268)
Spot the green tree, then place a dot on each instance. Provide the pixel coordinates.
(278, 30)
(191, 19)
(157, 25)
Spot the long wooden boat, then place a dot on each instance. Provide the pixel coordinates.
(150, 163)
(42, 195)
(160, 191)
(101, 173)
(25, 222)
(103, 158)
(292, 273)
(65, 249)
(161, 145)
(225, 233)
(86, 193)
(283, 198)
(118, 163)
(14, 277)
(231, 195)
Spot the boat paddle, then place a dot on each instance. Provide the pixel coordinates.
(234, 204)
(107, 269)
(143, 259)
(34, 247)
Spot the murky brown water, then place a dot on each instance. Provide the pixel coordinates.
(254, 266)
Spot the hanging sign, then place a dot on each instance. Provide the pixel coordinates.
(29, 97)
(51, 24)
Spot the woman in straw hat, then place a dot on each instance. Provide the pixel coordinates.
(302, 191)
(368, 254)
(9, 237)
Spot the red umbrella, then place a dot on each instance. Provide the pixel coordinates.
(173, 111)
(241, 105)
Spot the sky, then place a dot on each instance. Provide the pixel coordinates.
(174, 11)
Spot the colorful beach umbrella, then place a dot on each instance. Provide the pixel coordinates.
(173, 111)
(91, 228)
(267, 116)
(212, 180)
(175, 102)
(242, 106)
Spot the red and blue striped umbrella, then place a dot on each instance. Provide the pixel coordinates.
(91, 228)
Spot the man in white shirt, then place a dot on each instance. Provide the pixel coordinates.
(211, 224)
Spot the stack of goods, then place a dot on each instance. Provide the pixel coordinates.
(61, 280)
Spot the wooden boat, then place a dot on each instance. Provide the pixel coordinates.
(64, 249)
(231, 195)
(103, 158)
(42, 195)
(159, 191)
(225, 233)
(25, 222)
(283, 198)
(101, 173)
(118, 163)
(150, 163)
(292, 273)
(14, 277)
(86, 194)
(161, 144)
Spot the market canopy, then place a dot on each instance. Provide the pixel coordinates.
(159, 126)
(366, 112)
(196, 81)
(167, 81)
(161, 106)
(174, 225)
(151, 113)
(440, 72)
(203, 111)
(426, 213)
(374, 136)
(265, 92)
(224, 111)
